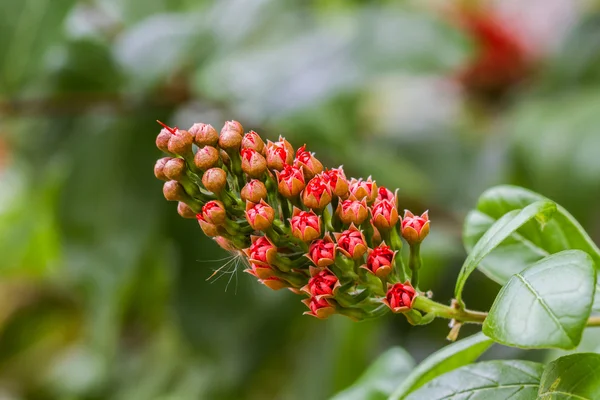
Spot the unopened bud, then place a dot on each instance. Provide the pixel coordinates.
(231, 136)
(415, 228)
(204, 134)
(224, 157)
(380, 261)
(317, 194)
(306, 225)
(234, 126)
(181, 143)
(162, 140)
(309, 163)
(159, 168)
(254, 191)
(209, 229)
(214, 212)
(206, 157)
(253, 141)
(400, 297)
(279, 154)
(351, 243)
(175, 169)
(224, 243)
(290, 181)
(352, 211)
(385, 214)
(185, 211)
(363, 189)
(253, 164)
(174, 191)
(260, 216)
(215, 180)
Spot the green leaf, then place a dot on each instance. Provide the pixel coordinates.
(380, 379)
(546, 305)
(530, 243)
(446, 359)
(489, 380)
(540, 210)
(576, 376)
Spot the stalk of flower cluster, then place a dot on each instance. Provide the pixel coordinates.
(296, 224)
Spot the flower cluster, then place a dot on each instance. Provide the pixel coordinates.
(300, 226)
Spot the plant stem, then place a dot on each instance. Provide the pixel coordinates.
(414, 263)
(422, 303)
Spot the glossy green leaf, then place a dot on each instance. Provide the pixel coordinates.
(546, 305)
(380, 379)
(505, 226)
(576, 376)
(489, 380)
(446, 359)
(528, 244)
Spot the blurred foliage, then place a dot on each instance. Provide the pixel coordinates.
(103, 291)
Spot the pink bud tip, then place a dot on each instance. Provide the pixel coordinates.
(167, 127)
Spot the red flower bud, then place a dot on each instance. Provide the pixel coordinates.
(351, 243)
(353, 211)
(415, 228)
(310, 165)
(175, 169)
(306, 225)
(159, 168)
(322, 284)
(274, 283)
(319, 307)
(204, 135)
(252, 140)
(261, 251)
(384, 193)
(380, 260)
(279, 154)
(317, 194)
(291, 181)
(206, 157)
(322, 252)
(215, 180)
(337, 181)
(254, 191)
(209, 229)
(363, 189)
(385, 214)
(214, 212)
(253, 163)
(181, 142)
(400, 297)
(261, 271)
(260, 216)
(185, 211)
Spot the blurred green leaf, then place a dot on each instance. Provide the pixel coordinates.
(380, 379)
(447, 359)
(529, 243)
(554, 302)
(28, 29)
(488, 380)
(576, 376)
(541, 210)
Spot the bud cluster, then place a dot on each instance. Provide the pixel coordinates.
(299, 226)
